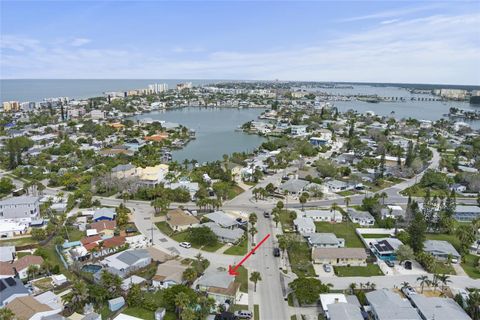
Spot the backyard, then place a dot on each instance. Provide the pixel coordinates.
(299, 255)
(342, 230)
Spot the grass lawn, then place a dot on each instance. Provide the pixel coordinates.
(443, 268)
(346, 193)
(447, 237)
(417, 191)
(74, 234)
(471, 266)
(342, 230)
(105, 312)
(375, 235)
(256, 312)
(44, 284)
(21, 254)
(164, 228)
(234, 191)
(294, 317)
(368, 271)
(238, 307)
(242, 278)
(239, 249)
(299, 255)
(17, 242)
(286, 221)
(145, 314)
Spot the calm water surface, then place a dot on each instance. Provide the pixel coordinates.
(215, 131)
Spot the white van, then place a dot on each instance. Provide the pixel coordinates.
(243, 314)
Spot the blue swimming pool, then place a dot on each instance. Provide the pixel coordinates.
(92, 268)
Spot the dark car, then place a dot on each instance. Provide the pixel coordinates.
(276, 252)
(266, 214)
(225, 316)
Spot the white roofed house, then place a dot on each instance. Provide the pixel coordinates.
(337, 185)
(125, 262)
(363, 218)
(387, 305)
(323, 215)
(304, 226)
(438, 308)
(294, 187)
(22, 209)
(218, 285)
(393, 211)
(222, 219)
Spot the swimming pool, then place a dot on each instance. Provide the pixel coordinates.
(92, 268)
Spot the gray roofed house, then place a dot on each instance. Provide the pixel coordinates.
(304, 226)
(337, 185)
(7, 253)
(363, 218)
(466, 213)
(294, 186)
(22, 209)
(123, 167)
(344, 311)
(123, 263)
(436, 308)
(224, 234)
(324, 240)
(387, 305)
(132, 256)
(441, 250)
(222, 219)
(11, 288)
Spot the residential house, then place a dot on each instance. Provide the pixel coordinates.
(325, 240)
(363, 218)
(124, 171)
(438, 308)
(340, 256)
(224, 235)
(294, 186)
(179, 220)
(11, 288)
(442, 250)
(327, 299)
(125, 262)
(323, 215)
(169, 274)
(392, 161)
(304, 225)
(152, 176)
(104, 227)
(11, 229)
(393, 211)
(19, 267)
(387, 305)
(108, 214)
(28, 308)
(298, 130)
(130, 281)
(222, 219)
(219, 285)
(191, 187)
(7, 253)
(338, 186)
(385, 248)
(457, 187)
(21, 209)
(466, 213)
(344, 311)
(105, 247)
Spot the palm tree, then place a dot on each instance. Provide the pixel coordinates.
(255, 277)
(79, 294)
(334, 208)
(303, 199)
(352, 287)
(276, 219)
(32, 270)
(435, 282)
(405, 284)
(423, 281)
(473, 305)
(373, 286)
(189, 275)
(252, 218)
(346, 200)
(444, 279)
(181, 302)
(206, 305)
(383, 195)
(252, 232)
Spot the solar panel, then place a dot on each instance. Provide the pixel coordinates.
(11, 282)
(2, 286)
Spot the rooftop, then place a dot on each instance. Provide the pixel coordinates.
(436, 308)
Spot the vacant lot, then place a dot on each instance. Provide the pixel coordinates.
(342, 230)
(368, 271)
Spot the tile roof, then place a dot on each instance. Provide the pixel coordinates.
(87, 240)
(104, 224)
(7, 268)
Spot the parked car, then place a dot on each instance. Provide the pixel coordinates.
(327, 268)
(408, 291)
(186, 245)
(389, 263)
(266, 214)
(276, 252)
(243, 314)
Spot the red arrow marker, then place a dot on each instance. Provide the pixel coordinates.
(233, 271)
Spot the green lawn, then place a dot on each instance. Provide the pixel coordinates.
(368, 271)
(239, 249)
(286, 221)
(145, 314)
(74, 234)
(238, 307)
(182, 237)
(242, 278)
(342, 230)
(17, 242)
(375, 235)
(299, 255)
(256, 312)
(164, 228)
(21, 254)
(471, 266)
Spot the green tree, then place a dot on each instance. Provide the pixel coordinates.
(307, 289)
(6, 314)
(189, 275)
(255, 277)
(202, 236)
(182, 300)
(252, 231)
(466, 235)
(303, 199)
(135, 295)
(6, 185)
(416, 231)
(423, 281)
(404, 253)
(473, 304)
(79, 295)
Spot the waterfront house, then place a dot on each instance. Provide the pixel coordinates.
(304, 225)
(441, 250)
(324, 240)
(340, 256)
(152, 176)
(387, 305)
(298, 130)
(179, 220)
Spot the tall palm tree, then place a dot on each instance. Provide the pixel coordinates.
(352, 287)
(473, 305)
(181, 302)
(445, 280)
(423, 281)
(255, 277)
(252, 232)
(346, 200)
(435, 282)
(405, 284)
(189, 275)
(383, 195)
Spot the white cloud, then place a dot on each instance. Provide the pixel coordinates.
(78, 42)
(433, 49)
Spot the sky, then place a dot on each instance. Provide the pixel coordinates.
(350, 41)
